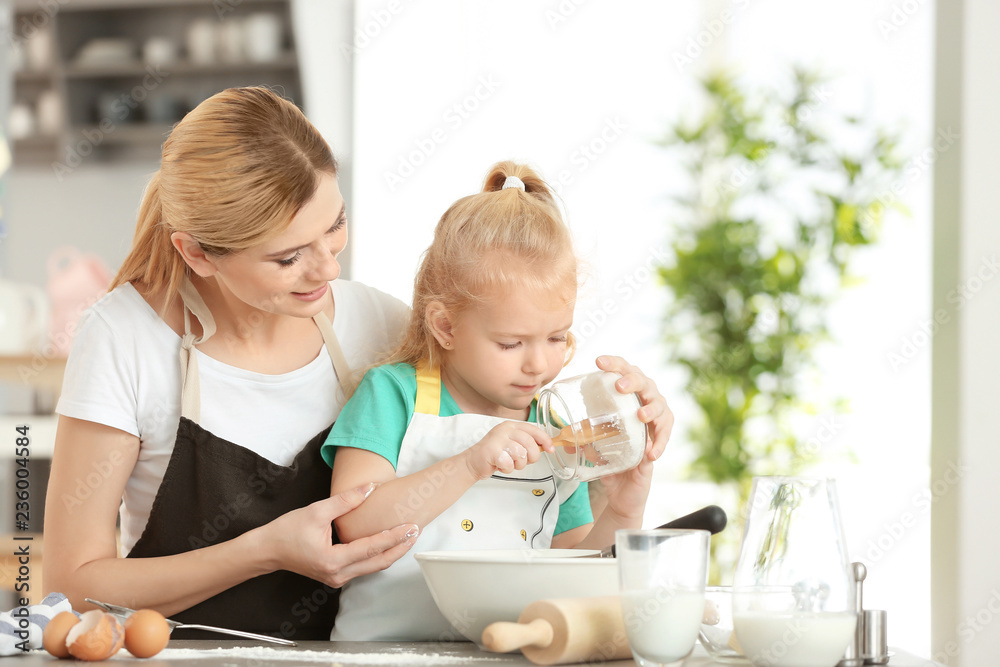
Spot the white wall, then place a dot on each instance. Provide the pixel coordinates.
(93, 208)
(321, 28)
(966, 456)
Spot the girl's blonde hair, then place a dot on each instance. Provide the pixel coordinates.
(485, 246)
(234, 173)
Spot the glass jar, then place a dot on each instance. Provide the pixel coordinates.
(793, 591)
(595, 428)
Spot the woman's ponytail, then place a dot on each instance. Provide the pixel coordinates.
(152, 262)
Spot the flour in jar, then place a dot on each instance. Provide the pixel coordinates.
(601, 398)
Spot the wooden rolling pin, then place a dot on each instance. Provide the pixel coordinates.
(552, 632)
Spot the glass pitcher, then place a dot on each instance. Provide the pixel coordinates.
(793, 591)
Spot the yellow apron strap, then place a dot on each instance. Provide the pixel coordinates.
(428, 390)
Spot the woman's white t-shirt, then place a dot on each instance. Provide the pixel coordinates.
(124, 372)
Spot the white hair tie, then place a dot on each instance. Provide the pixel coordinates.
(513, 182)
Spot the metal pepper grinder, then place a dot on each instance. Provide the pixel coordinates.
(854, 656)
(876, 651)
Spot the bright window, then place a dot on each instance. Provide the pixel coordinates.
(582, 90)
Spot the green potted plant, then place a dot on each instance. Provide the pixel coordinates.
(779, 189)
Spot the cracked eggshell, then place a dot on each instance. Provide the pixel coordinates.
(54, 635)
(97, 636)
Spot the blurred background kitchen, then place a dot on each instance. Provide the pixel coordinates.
(418, 99)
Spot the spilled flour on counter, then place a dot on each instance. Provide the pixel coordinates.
(402, 656)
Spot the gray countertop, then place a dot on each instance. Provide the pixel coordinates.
(240, 653)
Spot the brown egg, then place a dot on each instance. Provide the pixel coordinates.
(54, 635)
(146, 633)
(97, 636)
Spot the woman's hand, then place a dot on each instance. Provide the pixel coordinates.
(654, 411)
(508, 446)
(302, 541)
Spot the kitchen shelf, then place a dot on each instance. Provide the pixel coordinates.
(9, 565)
(26, 77)
(135, 133)
(88, 93)
(36, 371)
(109, 5)
(41, 429)
(138, 69)
(36, 142)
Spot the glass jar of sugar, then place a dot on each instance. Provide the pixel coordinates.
(595, 428)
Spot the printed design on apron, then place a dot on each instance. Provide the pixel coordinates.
(506, 511)
(537, 493)
(214, 490)
(427, 408)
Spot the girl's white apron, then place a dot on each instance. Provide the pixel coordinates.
(515, 511)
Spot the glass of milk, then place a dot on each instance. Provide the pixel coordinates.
(793, 593)
(662, 575)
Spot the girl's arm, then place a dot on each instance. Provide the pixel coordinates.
(422, 496)
(82, 557)
(626, 499)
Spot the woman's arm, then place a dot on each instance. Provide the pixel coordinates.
(81, 553)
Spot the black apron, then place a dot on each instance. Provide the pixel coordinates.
(214, 490)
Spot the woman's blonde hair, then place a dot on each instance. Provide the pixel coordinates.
(234, 173)
(485, 246)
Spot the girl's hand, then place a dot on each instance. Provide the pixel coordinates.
(654, 411)
(618, 502)
(302, 541)
(626, 492)
(509, 446)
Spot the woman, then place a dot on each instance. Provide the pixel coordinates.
(198, 391)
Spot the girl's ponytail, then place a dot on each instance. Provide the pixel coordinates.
(534, 186)
(487, 244)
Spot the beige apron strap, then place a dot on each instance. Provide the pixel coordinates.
(340, 365)
(190, 393)
(190, 386)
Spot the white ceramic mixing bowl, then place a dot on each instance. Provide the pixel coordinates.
(481, 587)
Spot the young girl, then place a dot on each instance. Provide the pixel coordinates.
(447, 424)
